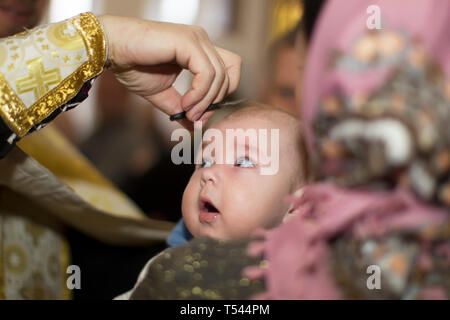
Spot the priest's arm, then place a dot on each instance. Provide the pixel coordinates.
(48, 70)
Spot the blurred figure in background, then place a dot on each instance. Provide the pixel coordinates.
(281, 81)
(283, 63)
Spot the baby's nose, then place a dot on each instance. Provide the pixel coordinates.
(210, 175)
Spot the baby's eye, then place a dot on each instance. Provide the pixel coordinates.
(244, 163)
(206, 163)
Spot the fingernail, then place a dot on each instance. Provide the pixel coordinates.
(188, 108)
(196, 116)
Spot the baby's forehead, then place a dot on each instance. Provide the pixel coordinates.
(254, 117)
(255, 128)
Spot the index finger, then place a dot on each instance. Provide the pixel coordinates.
(200, 66)
(233, 66)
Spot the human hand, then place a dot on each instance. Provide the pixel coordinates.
(148, 56)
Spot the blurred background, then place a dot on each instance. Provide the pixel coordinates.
(129, 141)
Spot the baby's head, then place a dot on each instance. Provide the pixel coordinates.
(230, 195)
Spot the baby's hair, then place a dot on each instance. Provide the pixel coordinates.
(224, 112)
(242, 108)
(253, 109)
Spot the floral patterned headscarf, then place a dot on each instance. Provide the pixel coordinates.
(377, 102)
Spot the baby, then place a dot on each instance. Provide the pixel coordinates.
(228, 200)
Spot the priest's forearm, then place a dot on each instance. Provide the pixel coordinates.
(46, 71)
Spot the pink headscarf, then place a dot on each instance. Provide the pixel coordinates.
(298, 251)
(427, 21)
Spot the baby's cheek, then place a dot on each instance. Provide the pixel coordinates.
(271, 211)
(190, 198)
(244, 220)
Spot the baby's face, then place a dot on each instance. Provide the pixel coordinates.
(229, 201)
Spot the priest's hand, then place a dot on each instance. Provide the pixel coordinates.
(147, 57)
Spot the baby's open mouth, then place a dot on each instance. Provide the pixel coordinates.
(208, 212)
(210, 208)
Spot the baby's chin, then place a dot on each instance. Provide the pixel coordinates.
(212, 232)
(197, 229)
(220, 235)
(209, 232)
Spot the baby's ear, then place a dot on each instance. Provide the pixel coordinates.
(292, 211)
